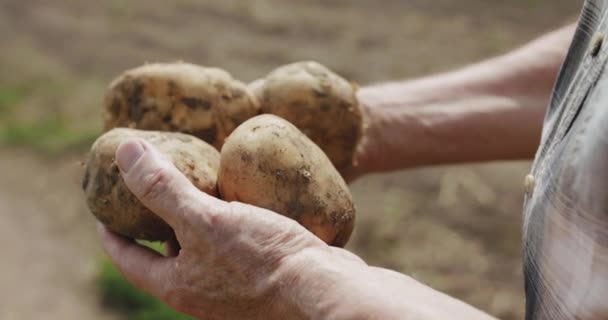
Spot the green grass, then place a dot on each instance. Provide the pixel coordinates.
(9, 97)
(50, 135)
(120, 295)
(48, 130)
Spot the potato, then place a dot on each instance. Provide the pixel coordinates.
(320, 103)
(113, 204)
(268, 162)
(205, 102)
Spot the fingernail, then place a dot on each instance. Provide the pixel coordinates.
(128, 153)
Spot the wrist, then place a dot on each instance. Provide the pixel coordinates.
(310, 282)
(368, 158)
(326, 285)
(392, 128)
(330, 283)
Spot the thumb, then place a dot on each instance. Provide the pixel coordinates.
(155, 181)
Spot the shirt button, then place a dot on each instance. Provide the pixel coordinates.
(596, 44)
(529, 184)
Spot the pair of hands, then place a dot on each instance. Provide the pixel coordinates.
(233, 260)
(236, 261)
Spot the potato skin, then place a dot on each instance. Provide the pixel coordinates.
(113, 204)
(268, 162)
(205, 102)
(320, 103)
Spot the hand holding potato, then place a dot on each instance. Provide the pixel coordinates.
(110, 200)
(236, 261)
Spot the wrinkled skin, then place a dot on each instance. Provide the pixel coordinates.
(110, 200)
(269, 163)
(233, 259)
(205, 102)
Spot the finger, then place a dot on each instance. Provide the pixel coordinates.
(143, 267)
(156, 182)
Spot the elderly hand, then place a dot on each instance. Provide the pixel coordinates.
(236, 261)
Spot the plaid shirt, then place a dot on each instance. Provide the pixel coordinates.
(566, 206)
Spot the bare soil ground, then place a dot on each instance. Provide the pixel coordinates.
(455, 228)
(49, 248)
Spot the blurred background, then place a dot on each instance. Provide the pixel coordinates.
(455, 228)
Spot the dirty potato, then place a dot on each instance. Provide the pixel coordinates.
(268, 162)
(320, 103)
(205, 102)
(113, 204)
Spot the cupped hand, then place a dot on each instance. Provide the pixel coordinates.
(234, 261)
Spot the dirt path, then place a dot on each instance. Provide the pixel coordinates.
(49, 246)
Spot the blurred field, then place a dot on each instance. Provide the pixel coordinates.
(455, 228)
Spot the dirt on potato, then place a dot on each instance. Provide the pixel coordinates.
(179, 97)
(317, 101)
(269, 163)
(111, 201)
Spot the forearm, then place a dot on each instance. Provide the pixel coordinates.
(332, 287)
(489, 111)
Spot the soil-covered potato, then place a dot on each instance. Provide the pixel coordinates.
(320, 103)
(205, 102)
(113, 204)
(268, 162)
